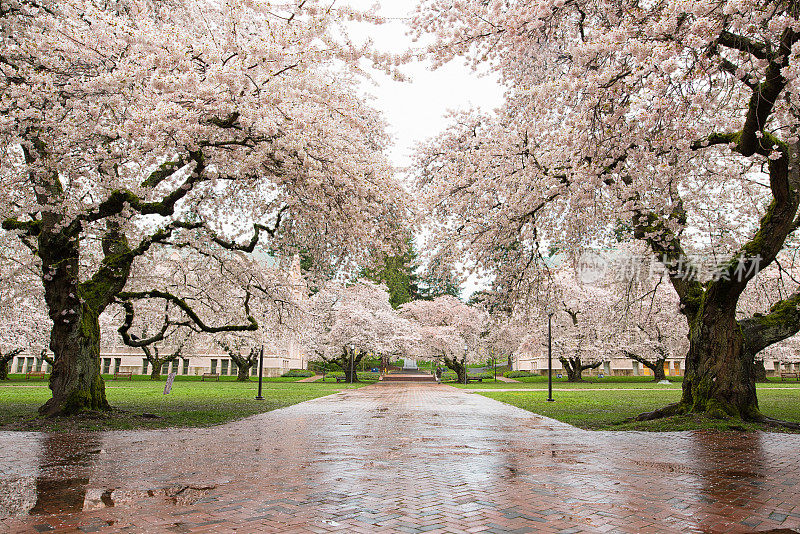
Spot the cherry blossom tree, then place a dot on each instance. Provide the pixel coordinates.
(155, 355)
(773, 284)
(135, 126)
(345, 321)
(672, 121)
(506, 334)
(24, 325)
(245, 355)
(650, 329)
(583, 326)
(449, 329)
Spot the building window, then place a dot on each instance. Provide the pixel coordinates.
(145, 364)
(635, 368)
(254, 370)
(175, 366)
(224, 364)
(106, 365)
(213, 366)
(117, 364)
(234, 368)
(164, 368)
(20, 365)
(30, 364)
(186, 366)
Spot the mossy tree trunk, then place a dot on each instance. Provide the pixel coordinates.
(760, 371)
(720, 371)
(5, 362)
(75, 381)
(74, 302)
(575, 367)
(75, 308)
(720, 374)
(155, 373)
(243, 373)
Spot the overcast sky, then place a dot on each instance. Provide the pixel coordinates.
(416, 109)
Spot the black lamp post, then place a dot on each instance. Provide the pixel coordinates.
(550, 357)
(260, 372)
(466, 370)
(352, 351)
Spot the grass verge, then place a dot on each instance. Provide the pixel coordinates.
(613, 409)
(191, 403)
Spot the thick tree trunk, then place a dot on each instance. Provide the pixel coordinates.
(573, 368)
(720, 375)
(243, 374)
(155, 374)
(344, 364)
(5, 363)
(458, 367)
(75, 381)
(760, 371)
(658, 370)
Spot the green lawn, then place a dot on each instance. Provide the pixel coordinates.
(638, 382)
(191, 403)
(612, 409)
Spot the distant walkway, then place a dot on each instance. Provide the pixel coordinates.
(399, 457)
(509, 380)
(311, 378)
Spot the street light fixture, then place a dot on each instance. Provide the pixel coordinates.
(352, 352)
(260, 372)
(466, 369)
(550, 357)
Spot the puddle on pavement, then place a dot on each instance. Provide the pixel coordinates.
(60, 481)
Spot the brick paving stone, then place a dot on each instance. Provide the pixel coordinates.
(399, 457)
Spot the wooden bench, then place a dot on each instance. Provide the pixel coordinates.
(124, 374)
(474, 379)
(209, 375)
(40, 374)
(789, 375)
(341, 378)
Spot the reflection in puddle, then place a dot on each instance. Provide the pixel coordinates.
(65, 462)
(61, 495)
(59, 481)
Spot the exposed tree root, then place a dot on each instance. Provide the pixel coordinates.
(666, 411)
(778, 423)
(680, 409)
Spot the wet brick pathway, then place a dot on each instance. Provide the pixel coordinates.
(408, 458)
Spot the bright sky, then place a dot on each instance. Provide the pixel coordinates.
(416, 109)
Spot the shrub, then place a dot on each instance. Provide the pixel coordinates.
(451, 376)
(297, 373)
(362, 375)
(517, 374)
